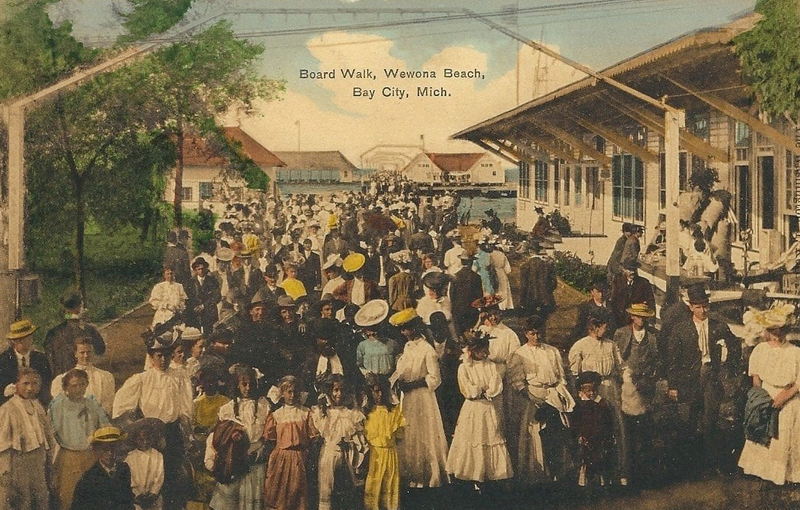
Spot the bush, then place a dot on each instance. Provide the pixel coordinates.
(576, 272)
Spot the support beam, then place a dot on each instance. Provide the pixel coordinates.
(574, 141)
(733, 112)
(15, 120)
(494, 151)
(547, 145)
(690, 142)
(617, 139)
(672, 124)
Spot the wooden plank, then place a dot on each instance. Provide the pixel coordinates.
(491, 149)
(617, 139)
(690, 142)
(547, 145)
(574, 141)
(733, 112)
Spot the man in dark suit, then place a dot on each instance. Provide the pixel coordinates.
(59, 343)
(311, 269)
(204, 294)
(465, 288)
(270, 292)
(247, 279)
(20, 354)
(107, 484)
(420, 241)
(630, 288)
(700, 352)
(614, 264)
(537, 283)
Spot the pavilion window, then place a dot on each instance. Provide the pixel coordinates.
(578, 179)
(540, 181)
(524, 180)
(627, 176)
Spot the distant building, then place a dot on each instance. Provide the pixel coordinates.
(316, 166)
(455, 168)
(204, 173)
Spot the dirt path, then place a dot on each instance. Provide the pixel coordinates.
(125, 350)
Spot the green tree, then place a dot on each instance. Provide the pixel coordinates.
(770, 59)
(194, 81)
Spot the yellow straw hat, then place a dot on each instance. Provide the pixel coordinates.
(107, 435)
(21, 329)
(354, 262)
(403, 317)
(641, 309)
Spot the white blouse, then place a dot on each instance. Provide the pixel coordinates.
(163, 395)
(252, 421)
(502, 346)
(147, 471)
(592, 355)
(777, 367)
(479, 378)
(418, 361)
(539, 366)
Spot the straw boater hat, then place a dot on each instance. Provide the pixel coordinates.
(107, 435)
(190, 333)
(404, 317)
(332, 260)
(224, 254)
(401, 257)
(21, 329)
(640, 309)
(372, 313)
(353, 262)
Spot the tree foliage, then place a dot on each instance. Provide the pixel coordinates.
(770, 57)
(148, 17)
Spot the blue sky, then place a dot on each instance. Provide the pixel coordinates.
(329, 117)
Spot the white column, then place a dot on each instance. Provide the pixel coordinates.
(673, 121)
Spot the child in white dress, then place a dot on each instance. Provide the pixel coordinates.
(344, 446)
(147, 467)
(478, 452)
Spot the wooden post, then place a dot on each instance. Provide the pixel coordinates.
(16, 187)
(673, 121)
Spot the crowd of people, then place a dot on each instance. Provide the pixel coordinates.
(350, 351)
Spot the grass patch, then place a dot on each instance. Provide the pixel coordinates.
(120, 271)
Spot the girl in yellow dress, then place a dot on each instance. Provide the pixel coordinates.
(383, 428)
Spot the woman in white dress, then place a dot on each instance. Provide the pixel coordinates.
(775, 367)
(536, 373)
(479, 451)
(423, 451)
(167, 298)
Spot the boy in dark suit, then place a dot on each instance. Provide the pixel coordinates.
(107, 484)
(20, 354)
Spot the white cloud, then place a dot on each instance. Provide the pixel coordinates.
(363, 123)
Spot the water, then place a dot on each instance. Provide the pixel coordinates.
(504, 207)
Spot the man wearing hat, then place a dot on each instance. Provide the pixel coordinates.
(311, 268)
(20, 354)
(224, 257)
(537, 283)
(632, 245)
(614, 264)
(166, 394)
(271, 291)
(465, 288)
(641, 364)
(177, 258)
(107, 484)
(204, 295)
(356, 289)
(59, 341)
(699, 352)
(629, 288)
(246, 280)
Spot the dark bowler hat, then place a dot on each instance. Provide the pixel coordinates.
(697, 295)
(199, 261)
(435, 279)
(631, 265)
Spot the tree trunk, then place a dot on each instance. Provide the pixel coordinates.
(80, 227)
(177, 201)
